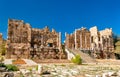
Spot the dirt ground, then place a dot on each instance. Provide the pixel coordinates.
(109, 61)
(99, 61)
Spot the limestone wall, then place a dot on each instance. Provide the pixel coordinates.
(80, 39)
(90, 39)
(26, 42)
(19, 37)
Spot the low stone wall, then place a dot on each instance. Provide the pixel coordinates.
(70, 55)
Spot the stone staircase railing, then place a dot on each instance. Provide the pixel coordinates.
(70, 54)
(85, 57)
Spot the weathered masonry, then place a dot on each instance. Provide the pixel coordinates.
(80, 39)
(91, 40)
(26, 42)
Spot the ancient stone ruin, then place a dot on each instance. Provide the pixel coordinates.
(26, 42)
(98, 42)
(1, 39)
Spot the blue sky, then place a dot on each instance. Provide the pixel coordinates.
(62, 15)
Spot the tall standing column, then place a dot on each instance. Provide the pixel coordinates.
(67, 40)
(75, 40)
(109, 41)
(81, 40)
(85, 42)
(90, 42)
(101, 42)
(42, 41)
(59, 40)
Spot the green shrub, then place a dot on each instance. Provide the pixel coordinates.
(77, 59)
(30, 69)
(2, 65)
(11, 67)
(37, 67)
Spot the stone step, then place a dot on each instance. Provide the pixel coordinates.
(85, 57)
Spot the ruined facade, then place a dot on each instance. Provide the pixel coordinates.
(92, 40)
(26, 42)
(101, 40)
(80, 39)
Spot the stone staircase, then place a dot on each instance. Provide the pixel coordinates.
(85, 57)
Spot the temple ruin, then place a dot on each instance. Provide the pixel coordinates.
(98, 42)
(26, 42)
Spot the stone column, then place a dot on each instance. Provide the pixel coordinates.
(85, 42)
(29, 33)
(109, 41)
(59, 40)
(68, 42)
(75, 39)
(42, 40)
(80, 40)
(101, 42)
(90, 42)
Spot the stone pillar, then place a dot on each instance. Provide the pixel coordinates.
(101, 43)
(80, 40)
(96, 41)
(75, 39)
(42, 40)
(66, 40)
(59, 40)
(85, 42)
(29, 33)
(90, 42)
(109, 41)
